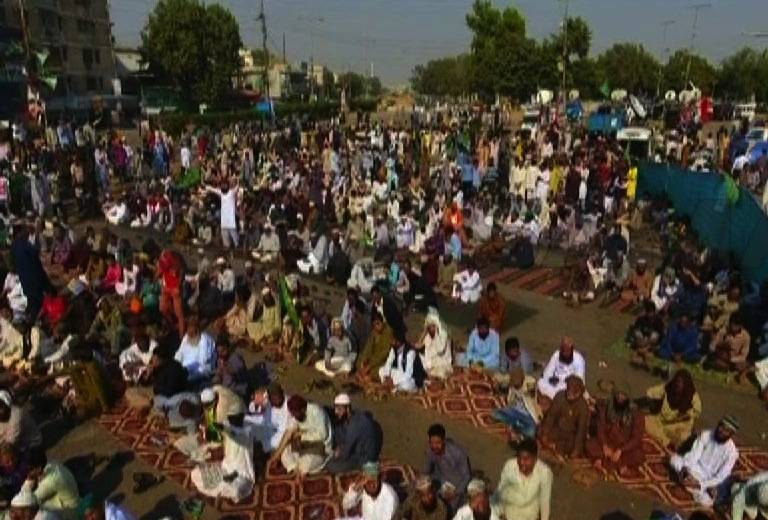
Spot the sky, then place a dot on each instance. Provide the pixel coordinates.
(393, 36)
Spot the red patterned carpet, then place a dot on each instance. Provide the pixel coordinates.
(277, 497)
(469, 396)
(548, 281)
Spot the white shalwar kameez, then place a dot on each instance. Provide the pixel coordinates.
(316, 427)
(381, 507)
(238, 461)
(709, 462)
(437, 357)
(560, 370)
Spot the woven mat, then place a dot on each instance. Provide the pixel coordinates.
(277, 497)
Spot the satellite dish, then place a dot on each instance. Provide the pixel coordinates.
(637, 107)
(671, 95)
(573, 95)
(619, 95)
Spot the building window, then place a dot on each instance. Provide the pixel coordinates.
(97, 56)
(86, 26)
(64, 53)
(90, 83)
(87, 58)
(101, 84)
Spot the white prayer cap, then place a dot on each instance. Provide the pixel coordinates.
(221, 261)
(5, 397)
(25, 497)
(207, 396)
(342, 400)
(475, 486)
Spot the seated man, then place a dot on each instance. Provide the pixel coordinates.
(376, 349)
(218, 401)
(423, 503)
(730, 348)
(478, 504)
(567, 361)
(525, 486)
(565, 422)
(482, 347)
(704, 470)
(306, 445)
(467, 284)
(514, 357)
(522, 413)
(637, 288)
(376, 499)
(268, 248)
(618, 445)
(134, 361)
(750, 498)
(447, 464)
(644, 335)
(356, 437)
(197, 353)
(54, 486)
(268, 414)
(402, 371)
(17, 427)
(681, 344)
(493, 307)
(446, 272)
(231, 371)
(232, 478)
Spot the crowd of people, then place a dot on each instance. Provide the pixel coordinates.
(405, 221)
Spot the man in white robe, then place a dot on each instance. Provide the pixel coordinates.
(307, 444)
(435, 346)
(235, 476)
(704, 470)
(377, 499)
(268, 414)
(563, 363)
(525, 486)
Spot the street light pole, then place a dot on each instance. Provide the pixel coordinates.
(696, 9)
(664, 53)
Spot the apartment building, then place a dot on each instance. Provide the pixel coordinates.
(77, 35)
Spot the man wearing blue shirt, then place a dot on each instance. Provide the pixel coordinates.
(482, 347)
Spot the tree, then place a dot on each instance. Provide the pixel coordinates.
(443, 77)
(504, 60)
(743, 75)
(577, 39)
(358, 86)
(628, 66)
(700, 72)
(193, 47)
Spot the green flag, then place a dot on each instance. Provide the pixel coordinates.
(285, 297)
(42, 56)
(51, 81)
(605, 89)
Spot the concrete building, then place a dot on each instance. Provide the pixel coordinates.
(251, 74)
(78, 37)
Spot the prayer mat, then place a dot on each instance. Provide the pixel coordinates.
(469, 396)
(277, 496)
(547, 281)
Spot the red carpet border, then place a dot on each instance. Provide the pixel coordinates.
(277, 497)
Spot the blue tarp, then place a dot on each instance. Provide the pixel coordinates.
(739, 227)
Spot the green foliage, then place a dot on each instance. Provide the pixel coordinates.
(174, 123)
(701, 72)
(504, 60)
(443, 77)
(358, 86)
(192, 46)
(629, 66)
(743, 74)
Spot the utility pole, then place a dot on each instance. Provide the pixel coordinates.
(696, 9)
(664, 53)
(265, 74)
(284, 60)
(565, 54)
(28, 63)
